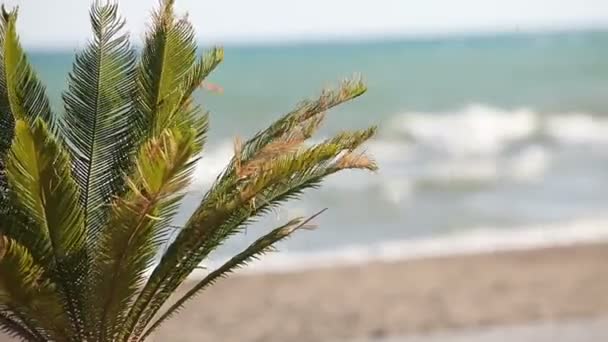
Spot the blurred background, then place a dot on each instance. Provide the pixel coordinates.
(493, 115)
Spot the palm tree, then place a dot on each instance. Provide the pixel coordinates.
(87, 250)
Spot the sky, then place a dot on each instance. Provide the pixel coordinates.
(46, 23)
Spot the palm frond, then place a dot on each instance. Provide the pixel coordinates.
(167, 76)
(27, 299)
(261, 246)
(233, 201)
(163, 166)
(7, 123)
(39, 177)
(38, 174)
(300, 124)
(305, 111)
(14, 327)
(22, 96)
(100, 124)
(169, 72)
(278, 181)
(185, 113)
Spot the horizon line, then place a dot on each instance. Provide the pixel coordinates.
(303, 40)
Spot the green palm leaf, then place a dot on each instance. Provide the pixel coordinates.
(100, 124)
(27, 300)
(163, 166)
(167, 76)
(169, 72)
(21, 94)
(38, 175)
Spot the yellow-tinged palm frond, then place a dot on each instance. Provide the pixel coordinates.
(39, 177)
(233, 202)
(27, 298)
(100, 123)
(21, 94)
(309, 110)
(38, 174)
(168, 73)
(162, 172)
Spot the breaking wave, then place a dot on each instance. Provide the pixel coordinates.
(475, 145)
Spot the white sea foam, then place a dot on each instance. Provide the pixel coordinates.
(476, 129)
(578, 128)
(475, 144)
(473, 241)
(480, 129)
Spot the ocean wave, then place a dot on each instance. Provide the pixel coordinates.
(476, 145)
(479, 129)
(476, 129)
(466, 242)
(577, 128)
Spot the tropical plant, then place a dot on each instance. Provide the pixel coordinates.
(87, 249)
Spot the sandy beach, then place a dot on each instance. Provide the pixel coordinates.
(557, 294)
(416, 297)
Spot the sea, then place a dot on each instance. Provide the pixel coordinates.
(486, 142)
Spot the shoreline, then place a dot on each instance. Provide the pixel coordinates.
(451, 244)
(400, 298)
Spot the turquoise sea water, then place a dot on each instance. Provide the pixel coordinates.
(489, 132)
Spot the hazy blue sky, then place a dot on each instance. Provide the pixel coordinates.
(52, 22)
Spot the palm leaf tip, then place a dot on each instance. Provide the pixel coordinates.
(6, 14)
(352, 160)
(22, 95)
